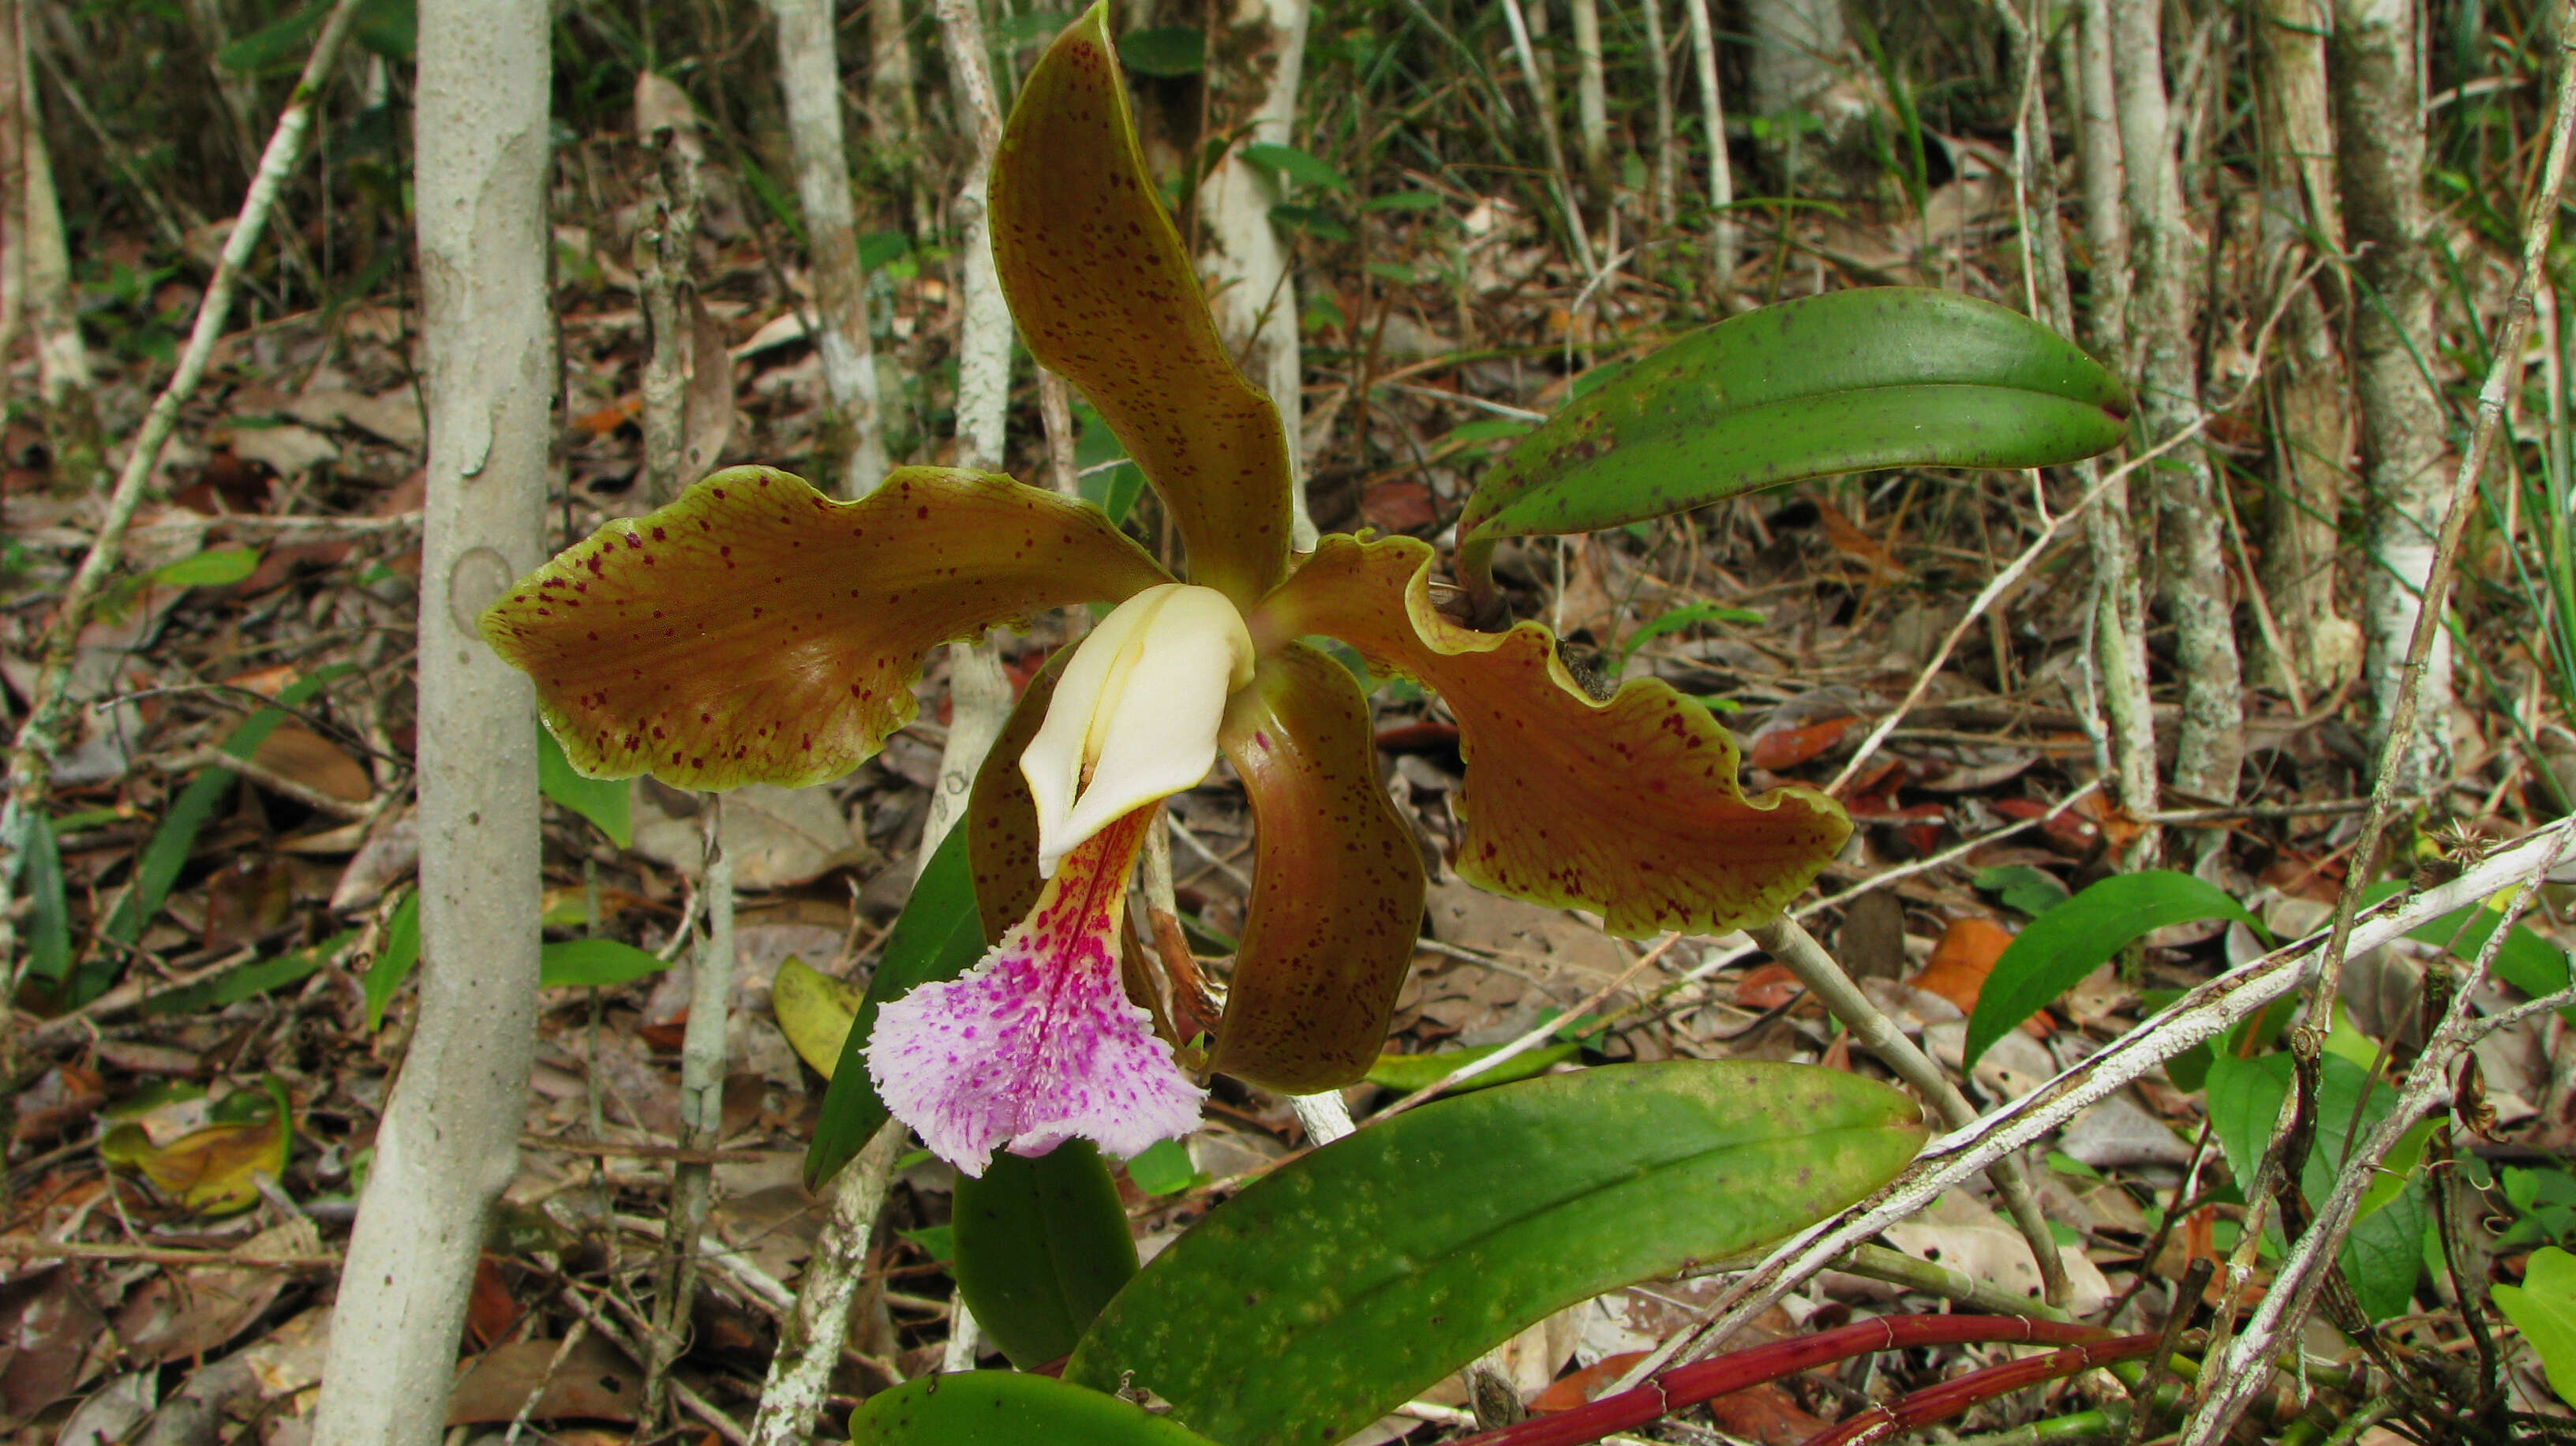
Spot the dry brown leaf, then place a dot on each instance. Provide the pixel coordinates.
(1961, 961)
(595, 1382)
(300, 755)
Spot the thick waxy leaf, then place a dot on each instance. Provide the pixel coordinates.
(602, 801)
(1339, 1285)
(756, 631)
(1844, 382)
(1006, 1408)
(1629, 807)
(2073, 939)
(2543, 1308)
(1041, 1246)
(938, 936)
(1336, 885)
(1104, 294)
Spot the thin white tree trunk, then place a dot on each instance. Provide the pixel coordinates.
(448, 1145)
(811, 1338)
(1667, 171)
(1723, 247)
(2210, 744)
(2311, 397)
(809, 71)
(62, 358)
(1591, 103)
(13, 175)
(1796, 44)
(1254, 288)
(2119, 620)
(984, 345)
(2380, 139)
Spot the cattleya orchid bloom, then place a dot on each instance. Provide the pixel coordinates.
(758, 631)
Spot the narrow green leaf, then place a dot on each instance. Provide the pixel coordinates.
(1850, 381)
(2026, 890)
(1337, 1286)
(215, 568)
(1041, 1246)
(1406, 1073)
(49, 929)
(257, 977)
(2543, 1308)
(601, 800)
(1165, 51)
(1689, 615)
(1295, 164)
(1006, 1408)
(1404, 201)
(940, 935)
(2072, 940)
(393, 962)
(598, 963)
(156, 870)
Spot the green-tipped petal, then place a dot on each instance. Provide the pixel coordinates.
(1629, 807)
(756, 631)
(1105, 295)
(1337, 883)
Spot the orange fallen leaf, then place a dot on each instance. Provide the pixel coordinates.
(611, 417)
(1789, 747)
(1579, 1388)
(1848, 538)
(1962, 960)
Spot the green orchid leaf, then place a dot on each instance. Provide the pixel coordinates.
(2543, 1308)
(601, 800)
(1006, 1408)
(938, 936)
(2075, 938)
(1041, 1246)
(1338, 1285)
(1850, 381)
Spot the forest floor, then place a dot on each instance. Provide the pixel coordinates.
(170, 1232)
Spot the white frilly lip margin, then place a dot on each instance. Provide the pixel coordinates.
(1137, 711)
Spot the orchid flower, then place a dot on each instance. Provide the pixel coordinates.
(758, 631)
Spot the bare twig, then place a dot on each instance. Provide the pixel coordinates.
(809, 1346)
(28, 1247)
(2239, 1371)
(1789, 942)
(702, 1076)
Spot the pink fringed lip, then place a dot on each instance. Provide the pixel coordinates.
(1038, 1043)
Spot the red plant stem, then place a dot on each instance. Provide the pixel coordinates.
(1697, 1382)
(1948, 1399)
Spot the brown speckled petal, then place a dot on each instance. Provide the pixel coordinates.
(756, 631)
(1337, 884)
(1001, 820)
(1104, 293)
(1630, 807)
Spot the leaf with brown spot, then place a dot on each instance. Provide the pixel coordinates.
(1337, 883)
(1629, 807)
(1105, 296)
(757, 631)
